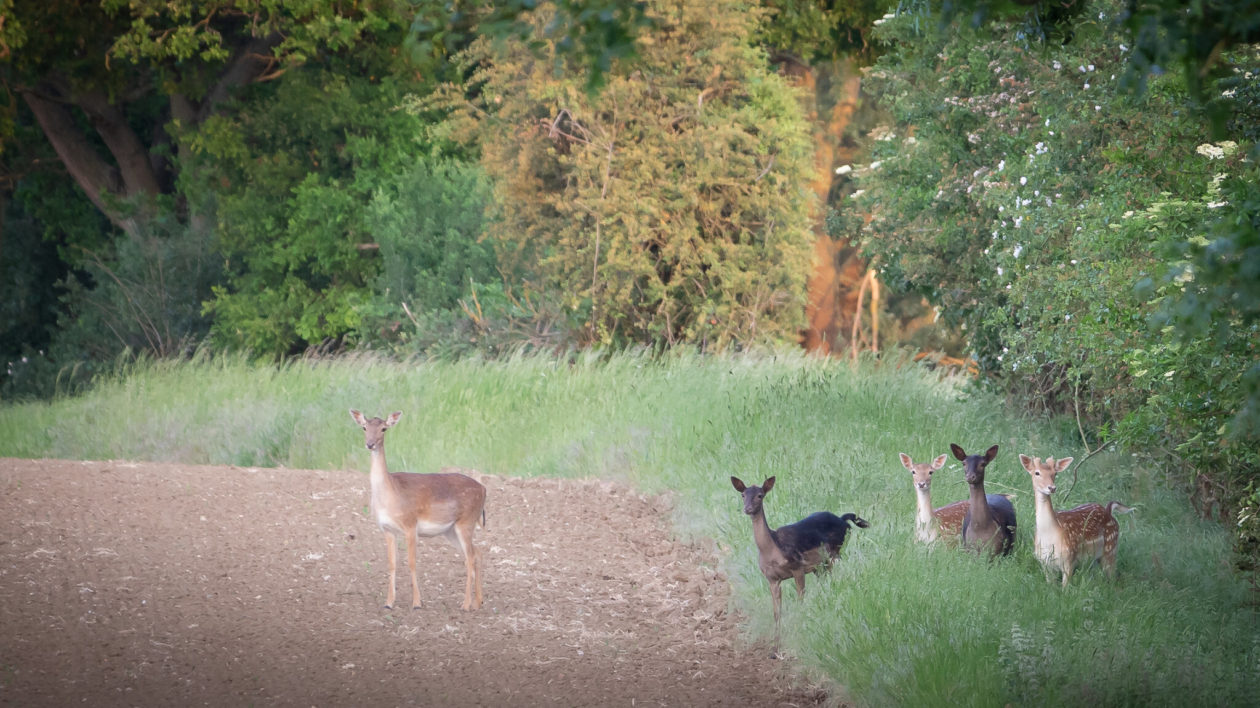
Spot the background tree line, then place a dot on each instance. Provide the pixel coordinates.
(1067, 189)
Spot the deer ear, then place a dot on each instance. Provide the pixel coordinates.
(737, 483)
(393, 419)
(1063, 464)
(906, 461)
(990, 453)
(938, 463)
(1027, 462)
(357, 417)
(767, 485)
(958, 452)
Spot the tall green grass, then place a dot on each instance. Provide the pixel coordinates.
(894, 623)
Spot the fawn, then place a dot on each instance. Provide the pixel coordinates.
(990, 521)
(1065, 539)
(943, 521)
(448, 504)
(793, 550)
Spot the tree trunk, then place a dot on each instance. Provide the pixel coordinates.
(838, 270)
(98, 179)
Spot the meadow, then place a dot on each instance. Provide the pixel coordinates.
(894, 623)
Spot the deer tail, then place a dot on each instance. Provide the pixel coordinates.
(855, 520)
(1115, 507)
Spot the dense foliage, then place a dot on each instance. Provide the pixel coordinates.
(1098, 246)
(672, 206)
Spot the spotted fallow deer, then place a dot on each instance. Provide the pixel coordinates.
(1066, 539)
(989, 525)
(793, 550)
(447, 504)
(942, 522)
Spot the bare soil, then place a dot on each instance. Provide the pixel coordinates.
(158, 584)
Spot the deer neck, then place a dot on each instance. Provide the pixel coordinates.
(378, 473)
(924, 521)
(981, 516)
(763, 536)
(1047, 520)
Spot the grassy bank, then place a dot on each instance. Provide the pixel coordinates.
(895, 623)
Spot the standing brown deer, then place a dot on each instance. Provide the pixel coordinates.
(990, 522)
(793, 550)
(943, 521)
(1065, 539)
(448, 504)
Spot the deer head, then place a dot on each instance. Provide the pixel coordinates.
(922, 471)
(753, 495)
(974, 465)
(1043, 473)
(374, 428)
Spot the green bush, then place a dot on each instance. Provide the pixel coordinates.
(289, 176)
(671, 207)
(1096, 246)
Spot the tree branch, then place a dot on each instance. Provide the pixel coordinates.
(92, 172)
(248, 62)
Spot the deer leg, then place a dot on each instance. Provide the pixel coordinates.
(411, 564)
(391, 555)
(463, 539)
(776, 595)
(476, 568)
(800, 584)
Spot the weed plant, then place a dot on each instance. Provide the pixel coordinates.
(894, 623)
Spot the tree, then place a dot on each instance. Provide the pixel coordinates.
(117, 86)
(671, 207)
(1075, 230)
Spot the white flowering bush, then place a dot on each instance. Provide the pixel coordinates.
(1069, 227)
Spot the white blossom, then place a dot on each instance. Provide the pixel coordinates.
(1210, 151)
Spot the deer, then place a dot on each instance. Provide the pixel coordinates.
(943, 521)
(989, 524)
(1065, 539)
(793, 550)
(446, 503)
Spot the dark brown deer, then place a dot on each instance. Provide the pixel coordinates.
(793, 550)
(943, 521)
(989, 526)
(1067, 539)
(447, 504)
